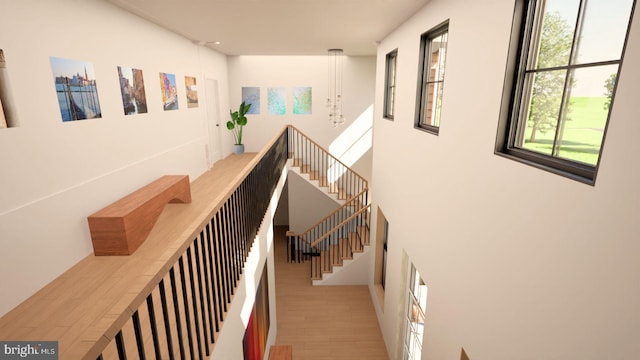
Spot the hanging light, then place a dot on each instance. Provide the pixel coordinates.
(334, 99)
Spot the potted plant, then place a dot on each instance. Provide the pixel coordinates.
(237, 122)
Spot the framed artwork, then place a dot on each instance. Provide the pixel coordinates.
(192, 91)
(134, 100)
(301, 100)
(254, 342)
(75, 84)
(276, 100)
(251, 95)
(169, 91)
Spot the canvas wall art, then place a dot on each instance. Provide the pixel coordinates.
(301, 100)
(251, 95)
(276, 101)
(134, 99)
(254, 342)
(169, 91)
(192, 91)
(75, 84)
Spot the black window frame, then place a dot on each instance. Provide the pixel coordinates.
(384, 253)
(424, 75)
(509, 118)
(390, 84)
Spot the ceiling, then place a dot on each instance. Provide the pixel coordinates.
(278, 27)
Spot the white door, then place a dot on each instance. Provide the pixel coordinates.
(213, 120)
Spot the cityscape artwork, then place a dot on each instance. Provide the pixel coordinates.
(169, 91)
(75, 85)
(192, 91)
(134, 100)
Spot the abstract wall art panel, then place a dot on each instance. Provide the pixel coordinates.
(251, 95)
(254, 342)
(75, 84)
(276, 101)
(302, 101)
(134, 100)
(169, 91)
(192, 91)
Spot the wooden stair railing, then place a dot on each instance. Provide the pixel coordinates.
(349, 237)
(299, 244)
(321, 166)
(345, 230)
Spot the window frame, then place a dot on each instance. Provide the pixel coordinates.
(522, 30)
(424, 76)
(390, 84)
(408, 341)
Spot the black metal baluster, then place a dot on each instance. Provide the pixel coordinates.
(220, 263)
(176, 307)
(122, 353)
(185, 303)
(194, 300)
(227, 260)
(213, 282)
(207, 285)
(165, 316)
(154, 326)
(138, 332)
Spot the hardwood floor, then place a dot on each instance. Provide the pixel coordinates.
(323, 322)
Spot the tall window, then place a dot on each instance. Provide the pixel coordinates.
(384, 252)
(433, 51)
(414, 319)
(380, 270)
(565, 57)
(390, 84)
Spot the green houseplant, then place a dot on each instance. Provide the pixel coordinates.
(237, 122)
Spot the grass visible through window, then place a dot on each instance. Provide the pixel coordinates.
(583, 131)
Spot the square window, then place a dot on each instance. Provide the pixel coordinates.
(564, 59)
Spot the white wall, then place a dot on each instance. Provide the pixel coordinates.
(307, 204)
(55, 174)
(295, 71)
(520, 263)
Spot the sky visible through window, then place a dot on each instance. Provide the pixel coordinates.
(603, 35)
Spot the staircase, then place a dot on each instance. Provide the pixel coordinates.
(341, 234)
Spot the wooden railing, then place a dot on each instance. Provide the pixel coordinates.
(340, 243)
(329, 241)
(327, 169)
(170, 298)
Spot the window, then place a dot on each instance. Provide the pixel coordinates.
(380, 270)
(384, 252)
(433, 51)
(390, 84)
(414, 319)
(564, 59)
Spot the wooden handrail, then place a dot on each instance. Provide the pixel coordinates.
(366, 183)
(337, 227)
(346, 204)
(86, 307)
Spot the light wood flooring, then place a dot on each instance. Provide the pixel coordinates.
(323, 322)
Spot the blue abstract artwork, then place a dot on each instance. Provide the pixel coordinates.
(302, 101)
(251, 95)
(277, 101)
